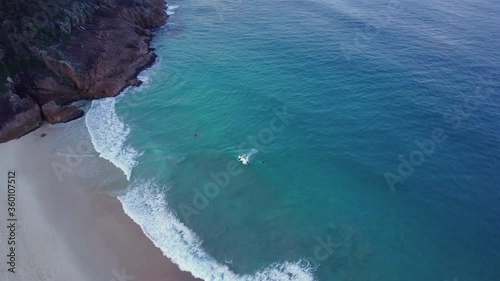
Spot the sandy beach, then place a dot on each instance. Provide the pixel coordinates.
(67, 228)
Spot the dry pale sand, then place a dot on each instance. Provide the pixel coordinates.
(67, 229)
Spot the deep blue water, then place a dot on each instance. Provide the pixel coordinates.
(330, 98)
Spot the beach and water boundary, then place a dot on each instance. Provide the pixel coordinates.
(87, 160)
(68, 228)
(353, 119)
(67, 216)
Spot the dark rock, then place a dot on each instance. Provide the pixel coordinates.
(48, 89)
(54, 113)
(18, 116)
(88, 49)
(134, 82)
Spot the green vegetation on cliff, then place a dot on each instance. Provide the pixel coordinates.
(55, 52)
(38, 23)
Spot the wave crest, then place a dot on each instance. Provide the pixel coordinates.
(108, 134)
(148, 208)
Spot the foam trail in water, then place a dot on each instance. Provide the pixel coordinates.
(247, 157)
(148, 208)
(109, 133)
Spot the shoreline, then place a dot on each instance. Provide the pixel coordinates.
(68, 227)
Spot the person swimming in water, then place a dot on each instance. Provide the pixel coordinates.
(243, 160)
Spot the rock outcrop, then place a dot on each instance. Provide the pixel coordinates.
(61, 51)
(54, 113)
(19, 115)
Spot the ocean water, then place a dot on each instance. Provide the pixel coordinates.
(371, 130)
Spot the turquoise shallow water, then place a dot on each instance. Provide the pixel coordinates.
(337, 103)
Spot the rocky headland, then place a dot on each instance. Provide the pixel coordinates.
(56, 52)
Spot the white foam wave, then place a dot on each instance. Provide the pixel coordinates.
(148, 208)
(109, 133)
(146, 76)
(145, 79)
(247, 157)
(171, 8)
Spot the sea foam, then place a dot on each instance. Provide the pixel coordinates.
(171, 8)
(148, 208)
(247, 157)
(107, 130)
(109, 133)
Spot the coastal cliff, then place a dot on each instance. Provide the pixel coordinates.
(55, 52)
